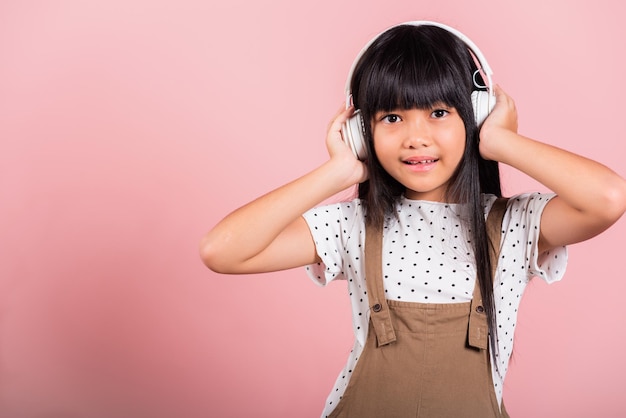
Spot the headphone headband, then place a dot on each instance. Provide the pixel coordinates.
(484, 65)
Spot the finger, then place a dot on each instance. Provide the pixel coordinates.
(499, 92)
(503, 100)
(341, 117)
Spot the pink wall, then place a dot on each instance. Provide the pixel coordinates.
(129, 128)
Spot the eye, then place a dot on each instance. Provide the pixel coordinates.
(439, 113)
(391, 118)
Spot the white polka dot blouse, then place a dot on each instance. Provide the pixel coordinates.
(427, 258)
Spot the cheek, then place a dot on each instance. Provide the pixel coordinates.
(384, 153)
(460, 147)
(378, 145)
(385, 150)
(456, 142)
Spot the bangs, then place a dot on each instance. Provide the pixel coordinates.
(412, 71)
(408, 87)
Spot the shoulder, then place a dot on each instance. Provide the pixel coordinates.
(336, 218)
(343, 210)
(523, 203)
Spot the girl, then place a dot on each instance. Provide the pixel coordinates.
(435, 262)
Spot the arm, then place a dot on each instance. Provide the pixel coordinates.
(269, 233)
(590, 197)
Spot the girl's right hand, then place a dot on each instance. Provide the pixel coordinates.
(269, 233)
(340, 152)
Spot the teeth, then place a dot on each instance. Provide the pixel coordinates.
(421, 162)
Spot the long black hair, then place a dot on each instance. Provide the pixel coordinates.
(417, 67)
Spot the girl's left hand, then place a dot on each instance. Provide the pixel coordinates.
(503, 118)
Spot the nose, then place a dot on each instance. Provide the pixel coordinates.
(418, 133)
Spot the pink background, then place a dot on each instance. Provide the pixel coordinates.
(129, 128)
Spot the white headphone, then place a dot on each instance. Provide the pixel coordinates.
(353, 130)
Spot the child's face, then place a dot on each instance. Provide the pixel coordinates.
(420, 148)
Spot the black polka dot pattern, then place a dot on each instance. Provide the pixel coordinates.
(427, 258)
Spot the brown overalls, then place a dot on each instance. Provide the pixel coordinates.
(423, 360)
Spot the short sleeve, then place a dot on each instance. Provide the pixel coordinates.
(337, 239)
(521, 227)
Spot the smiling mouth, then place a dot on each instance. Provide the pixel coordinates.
(413, 162)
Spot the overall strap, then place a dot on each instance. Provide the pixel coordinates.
(478, 332)
(379, 311)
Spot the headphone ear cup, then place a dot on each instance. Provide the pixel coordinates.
(483, 104)
(353, 134)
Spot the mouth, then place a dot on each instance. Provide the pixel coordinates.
(420, 162)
